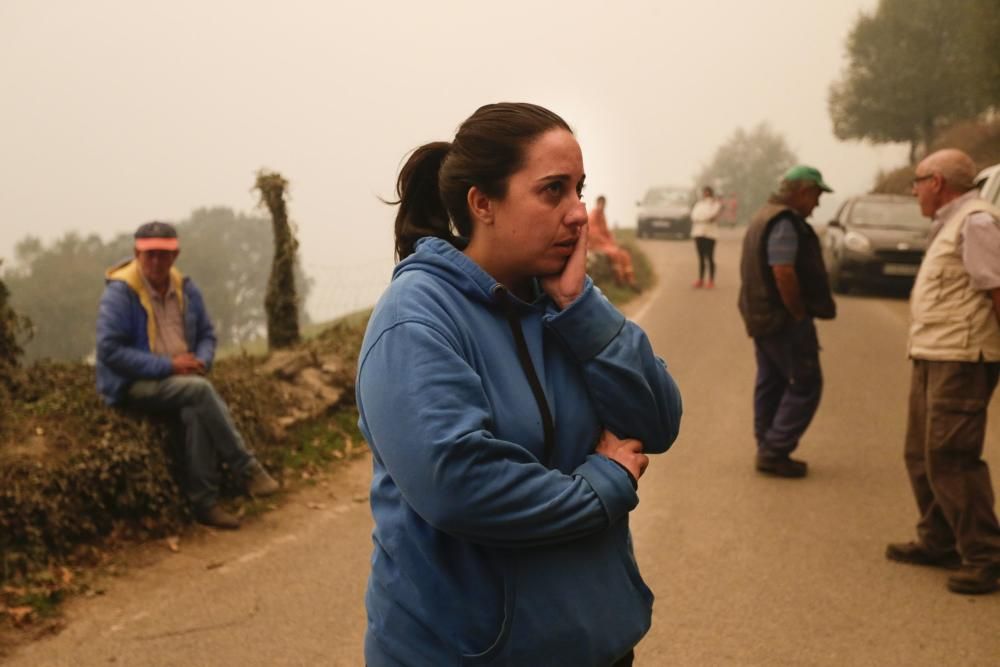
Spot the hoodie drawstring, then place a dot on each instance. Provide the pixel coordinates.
(514, 322)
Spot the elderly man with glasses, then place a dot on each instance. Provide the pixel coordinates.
(954, 343)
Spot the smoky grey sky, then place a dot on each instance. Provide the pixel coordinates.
(115, 113)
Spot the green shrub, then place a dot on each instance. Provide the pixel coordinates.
(73, 471)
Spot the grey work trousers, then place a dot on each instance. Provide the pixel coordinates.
(944, 447)
(210, 436)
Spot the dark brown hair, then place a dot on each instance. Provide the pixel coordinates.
(433, 185)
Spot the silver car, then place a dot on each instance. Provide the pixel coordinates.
(665, 210)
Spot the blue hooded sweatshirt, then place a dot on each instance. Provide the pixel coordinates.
(485, 552)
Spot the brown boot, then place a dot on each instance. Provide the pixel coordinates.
(916, 553)
(217, 517)
(781, 466)
(259, 483)
(972, 580)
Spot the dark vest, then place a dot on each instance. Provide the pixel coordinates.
(760, 302)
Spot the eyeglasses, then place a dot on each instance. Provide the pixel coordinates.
(917, 179)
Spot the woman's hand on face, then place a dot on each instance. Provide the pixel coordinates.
(566, 286)
(627, 452)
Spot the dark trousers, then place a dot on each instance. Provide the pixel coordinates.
(706, 256)
(788, 387)
(944, 447)
(625, 661)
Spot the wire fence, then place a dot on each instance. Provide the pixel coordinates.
(345, 288)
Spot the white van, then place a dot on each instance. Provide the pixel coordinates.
(665, 209)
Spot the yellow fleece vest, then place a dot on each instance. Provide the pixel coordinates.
(128, 273)
(950, 319)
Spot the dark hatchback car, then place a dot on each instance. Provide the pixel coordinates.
(875, 241)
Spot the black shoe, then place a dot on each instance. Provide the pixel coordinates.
(972, 580)
(217, 517)
(781, 466)
(917, 554)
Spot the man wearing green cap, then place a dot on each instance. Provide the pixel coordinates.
(783, 287)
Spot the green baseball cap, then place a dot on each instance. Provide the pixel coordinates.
(801, 172)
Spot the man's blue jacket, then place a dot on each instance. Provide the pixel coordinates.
(125, 327)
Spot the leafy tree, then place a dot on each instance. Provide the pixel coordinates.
(12, 328)
(916, 66)
(748, 165)
(58, 286)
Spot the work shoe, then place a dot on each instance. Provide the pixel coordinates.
(259, 483)
(781, 466)
(696, 284)
(710, 284)
(972, 580)
(917, 554)
(217, 517)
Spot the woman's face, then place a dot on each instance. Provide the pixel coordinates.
(536, 226)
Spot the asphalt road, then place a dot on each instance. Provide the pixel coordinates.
(748, 570)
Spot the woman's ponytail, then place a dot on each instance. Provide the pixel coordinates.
(421, 211)
(433, 185)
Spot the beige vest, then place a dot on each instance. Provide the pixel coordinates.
(951, 320)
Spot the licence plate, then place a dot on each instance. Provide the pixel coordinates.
(900, 269)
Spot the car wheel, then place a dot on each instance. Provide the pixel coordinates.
(837, 282)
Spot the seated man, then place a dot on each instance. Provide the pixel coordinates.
(155, 343)
(599, 239)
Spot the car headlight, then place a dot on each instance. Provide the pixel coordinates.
(857, 242)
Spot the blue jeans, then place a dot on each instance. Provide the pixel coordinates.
(788, 388)
(210, 436)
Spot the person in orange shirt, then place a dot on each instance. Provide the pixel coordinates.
(599, 239)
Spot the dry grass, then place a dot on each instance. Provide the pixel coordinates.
(979, 138)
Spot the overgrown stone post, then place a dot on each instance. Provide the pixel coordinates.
(281, 302)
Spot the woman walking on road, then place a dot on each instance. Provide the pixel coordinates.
(704, 229)
(509, 408)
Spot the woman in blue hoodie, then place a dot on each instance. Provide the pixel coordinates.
(509, 408)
